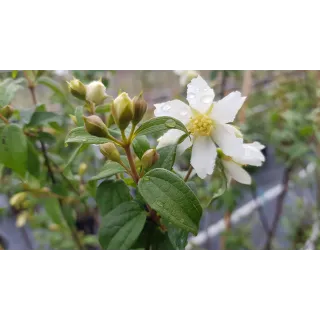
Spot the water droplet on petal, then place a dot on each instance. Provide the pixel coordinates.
(191, 96)
(166, 107)
(205, 89)
(206, 99)
(184, 113)
(170, 123)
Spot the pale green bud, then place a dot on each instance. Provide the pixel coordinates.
(95, 126)
(139, 109)
(7, 111)
(77, 89)
(22, 219)
(96, 92)
(149, 158)
(82, 168)
(122, 110)
(110, 151)
(17, 199)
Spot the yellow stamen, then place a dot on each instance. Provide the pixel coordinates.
(201, 125)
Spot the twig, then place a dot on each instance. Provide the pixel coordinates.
(279, 208)
(260, 210)
(188, 173)
(5, 120)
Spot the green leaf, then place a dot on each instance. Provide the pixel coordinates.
(109, 169)
(168, 194)
(79, 115)
(110, 194)
(160, 125)
(80, 135)
(40, 118)
(46, 137)
(167, 157)
(161, 241)
(52, 207)
(41, 108)
(178, 237)
(103, 108)
(14, 148)
(140, 146)
(77, 151)
(8, 90)
(90, 240)
(152, 238)
(33, 162)
(55, 87)
(122, 226)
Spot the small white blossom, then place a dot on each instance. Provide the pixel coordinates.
(252, 156)
(208, 124)
(185, 76)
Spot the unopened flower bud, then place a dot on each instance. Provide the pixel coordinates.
(22, 219)
(110, 151)
(54, 227)
(139, 109)
(77, 89)
(17, 199)
(95, 126)
(7, 111)
(122, 110)
(96, 92)
(82, 168)
(149, 158)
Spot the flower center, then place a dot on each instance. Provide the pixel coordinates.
(201, 125)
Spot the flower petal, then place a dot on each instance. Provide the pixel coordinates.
(257, 145)
(199, 94)
(183, 146)
(225, 137)
(236, 172)
(252, 154)
(175, 109)
(203, 157)
(169, 138)
(226, 109)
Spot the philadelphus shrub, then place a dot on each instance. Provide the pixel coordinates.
(142, 201)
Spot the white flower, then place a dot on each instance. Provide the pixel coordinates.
(185, 76)
(252, 156)
(207, 122)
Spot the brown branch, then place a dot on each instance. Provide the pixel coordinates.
(279, 208)
(188, 173)
(5, 120)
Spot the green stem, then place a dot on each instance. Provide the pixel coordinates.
(131, 133)
(134, 172)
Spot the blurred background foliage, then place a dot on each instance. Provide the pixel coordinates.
(281, 111)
